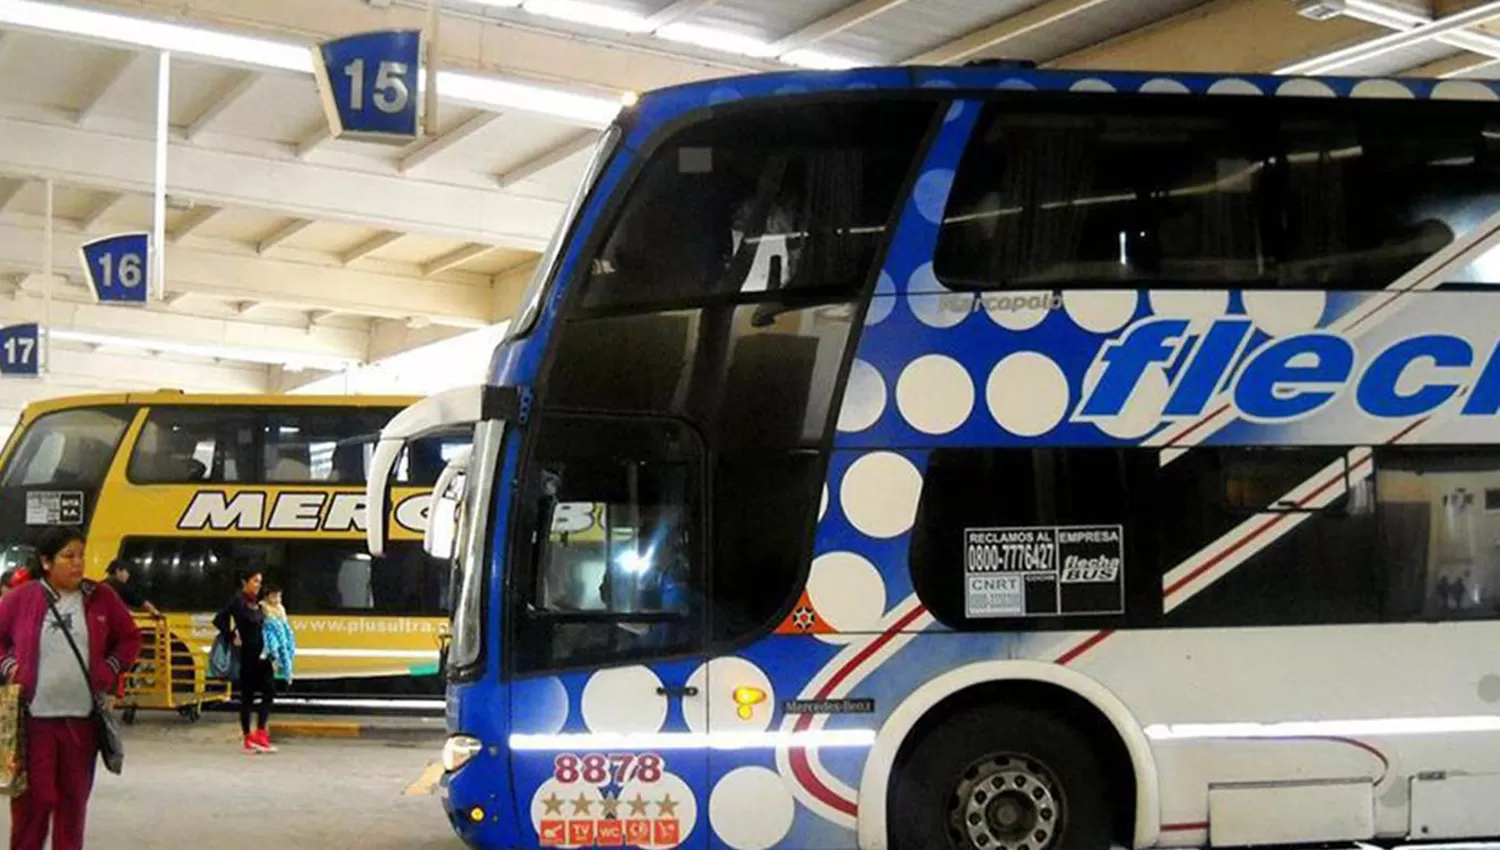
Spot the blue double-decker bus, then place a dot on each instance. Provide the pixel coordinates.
(990, 459)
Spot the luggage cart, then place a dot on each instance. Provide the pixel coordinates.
(170, 674)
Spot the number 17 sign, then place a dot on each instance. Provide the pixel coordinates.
(21, 350)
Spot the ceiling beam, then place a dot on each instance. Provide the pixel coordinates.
(832, 24)
(195, 218)
(120, 71)
(313, 142)
(72, 311)
(1457, 65)
(471, 212)
(74, 368)
(437, 145)
(1338, 60)
(1231, 36)
(8, 41)
(221, 102)
(454, 259)
(675, 12)
(10, 189)
(996, 34)
(573, 145)
(107, 204)
(212, 274)
(283, 233)
(369, 246)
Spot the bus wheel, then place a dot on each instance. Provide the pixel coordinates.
(1001, 779)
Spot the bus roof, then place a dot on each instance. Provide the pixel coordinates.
(178, 397)
(665, 104)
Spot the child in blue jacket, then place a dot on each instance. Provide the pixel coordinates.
(280, 640)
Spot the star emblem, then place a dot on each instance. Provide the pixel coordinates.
(611, 808)
(637, 806)
(552, 805)
(803, 618)
(582, 805)
(668, 806)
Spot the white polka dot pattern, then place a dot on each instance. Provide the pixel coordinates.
(879, 494)
(935, 394)
(751, 809)
(1281, 313)
(1027, 394)
(864, 398)
(848, 593)
(1101, 312)
(624, 700)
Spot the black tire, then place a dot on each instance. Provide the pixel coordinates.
(191, 712)
(952, 776)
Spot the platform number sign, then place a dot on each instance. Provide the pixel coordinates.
(368, 83)
(21, 350)
(118, 267)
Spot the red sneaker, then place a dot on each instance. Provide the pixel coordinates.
(251, 746)
(262, 741)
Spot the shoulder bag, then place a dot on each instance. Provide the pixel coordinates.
(106, 727)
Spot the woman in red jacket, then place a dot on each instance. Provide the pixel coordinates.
(34, 653)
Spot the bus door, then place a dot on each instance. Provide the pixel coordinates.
(607, 702)
(57, 468)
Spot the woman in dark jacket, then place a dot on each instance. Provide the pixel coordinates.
(37, 619)
(240, 623)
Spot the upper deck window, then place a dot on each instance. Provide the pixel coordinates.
(320, 446)
(787, 197)
(1128, 192)
(67, 448)
(190, 445)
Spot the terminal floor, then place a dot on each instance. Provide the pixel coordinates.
(190, 787)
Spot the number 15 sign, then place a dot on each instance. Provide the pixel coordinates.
(369, 84)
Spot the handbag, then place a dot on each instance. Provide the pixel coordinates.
(223, 661)
(12, 741)
(106, 728)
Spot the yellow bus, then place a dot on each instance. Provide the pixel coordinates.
(188, 489)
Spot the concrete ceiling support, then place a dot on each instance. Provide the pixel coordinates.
(832, 24)
(96, 216)
(283, 233)
(572, 146)
(1013, 27)
(222, 102)
(123, 163)
(124, 68)
(435, 147)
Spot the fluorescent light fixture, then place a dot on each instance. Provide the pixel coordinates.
(222, 352)
(490, 92)
(143, 32)
(714, 39)
(818, 60)
(1364, 51)
(591, 14)
(483, 92)
(502, 4)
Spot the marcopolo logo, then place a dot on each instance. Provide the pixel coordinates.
(1292, 376)
(1002, 302)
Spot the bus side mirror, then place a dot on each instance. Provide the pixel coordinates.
(442, 514)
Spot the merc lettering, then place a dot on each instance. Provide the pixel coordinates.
(248, 510)
(1289, 377)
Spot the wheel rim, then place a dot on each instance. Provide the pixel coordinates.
(1006, 802)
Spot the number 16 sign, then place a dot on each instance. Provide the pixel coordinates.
(118, 267)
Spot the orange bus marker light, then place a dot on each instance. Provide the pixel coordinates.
(747, 698)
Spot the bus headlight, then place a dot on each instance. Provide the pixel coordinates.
(458, 750)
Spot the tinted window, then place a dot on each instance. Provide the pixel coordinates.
(615, 563)
(997, 528)
(793, 197)
(422, 461)
(1438, 531)
(321, 446)
(1059, 192)
(67, 448)
(317, 577)
(1011, 538)
(187, 445)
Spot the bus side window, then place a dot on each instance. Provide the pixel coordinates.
(324, 446)
(71, 447)
(1439, 537)
(187, 445)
